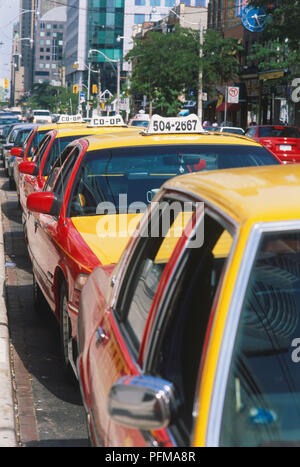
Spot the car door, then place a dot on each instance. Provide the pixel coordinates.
(177, 340)
(44, 231)
(118, 339)
(257, 384)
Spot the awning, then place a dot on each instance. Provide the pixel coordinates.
(230, 107)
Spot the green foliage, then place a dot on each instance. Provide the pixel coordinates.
(220, 58)
(45, 96)
(164, 65)
(280, 42)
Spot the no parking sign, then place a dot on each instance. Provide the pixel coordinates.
(233, 94)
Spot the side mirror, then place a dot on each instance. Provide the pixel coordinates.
(17, 152)
(44, 202)
(142, 402)
(28, 168)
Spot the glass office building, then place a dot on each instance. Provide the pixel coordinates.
(105, 25)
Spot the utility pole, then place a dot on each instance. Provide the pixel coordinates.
(99, 93)
(200, 78)
(88, 92)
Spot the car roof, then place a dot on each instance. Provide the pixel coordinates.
(24, 126)
(232, 127)
(281, 125)
(54, 126)
(140, 138)
(65, 131)
(251, 194)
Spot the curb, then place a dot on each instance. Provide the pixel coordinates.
(7, 413)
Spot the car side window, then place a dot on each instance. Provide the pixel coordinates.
(38, 155)
(179, 334)
(263, 388)
(51, 180)
(64, 174)
(146, 269)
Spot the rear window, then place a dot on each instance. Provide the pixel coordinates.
(8, 121)
(57, 147)
(21, 137)
(38, 136)
(278, 132)
(41, 112)
(237, 131)
(142, 123)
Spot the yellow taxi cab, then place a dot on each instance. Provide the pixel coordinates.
(33, 140)
(52, 146)
(196, 342)
(102, 185)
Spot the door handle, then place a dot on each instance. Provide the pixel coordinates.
(100, 336)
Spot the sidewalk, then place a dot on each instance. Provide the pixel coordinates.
(7, 414)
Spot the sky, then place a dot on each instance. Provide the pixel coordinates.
(9, 14)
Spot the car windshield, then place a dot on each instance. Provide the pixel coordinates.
(138, 172)
(278, 132)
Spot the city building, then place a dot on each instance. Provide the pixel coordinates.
(17, 70)
(27, 22)
(76, 41)
(50, 47)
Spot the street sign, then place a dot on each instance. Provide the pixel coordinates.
(82, 97)
(233, 95)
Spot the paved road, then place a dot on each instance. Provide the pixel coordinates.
(49, 410)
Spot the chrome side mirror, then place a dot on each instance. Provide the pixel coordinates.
(142, 402)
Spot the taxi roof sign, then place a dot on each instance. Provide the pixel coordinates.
(70, 119)
(168, 125)
(104, 121)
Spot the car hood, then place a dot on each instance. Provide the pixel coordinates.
(106, 235)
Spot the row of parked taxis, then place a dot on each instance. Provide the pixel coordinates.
(171, 258)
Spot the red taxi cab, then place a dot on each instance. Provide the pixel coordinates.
(193, 339)
(284, 141)
(33, 141)
(50, 147)
(82, 217)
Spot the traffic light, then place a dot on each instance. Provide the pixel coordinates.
(6, 84)
(75, 88)
(94, 89)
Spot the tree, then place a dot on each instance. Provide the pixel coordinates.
(280, 43)
(53, 98)
(220, 58)
(165, 66)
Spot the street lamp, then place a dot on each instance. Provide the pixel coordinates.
(118, 74)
